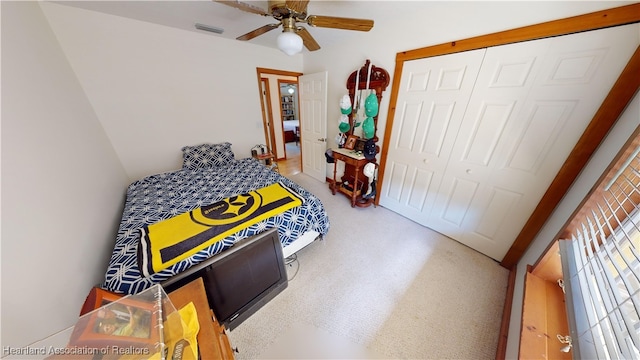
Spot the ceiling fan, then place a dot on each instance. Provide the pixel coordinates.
(289, 13)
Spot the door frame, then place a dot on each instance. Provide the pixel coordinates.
(604, 119)
(267, 113)
(261, 72)
(282, 82)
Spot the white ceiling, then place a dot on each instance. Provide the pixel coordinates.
(185, 14)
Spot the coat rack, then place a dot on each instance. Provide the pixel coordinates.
(368, 77)
(378, 81)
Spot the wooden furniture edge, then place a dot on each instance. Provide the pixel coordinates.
(210, 329)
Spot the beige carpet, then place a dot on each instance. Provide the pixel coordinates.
(379, 286)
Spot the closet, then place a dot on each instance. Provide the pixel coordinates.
(478, 136)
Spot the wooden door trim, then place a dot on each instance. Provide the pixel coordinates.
(604, 120)
(278, 72)
(280, 82)
(260, 73)
(267, 112)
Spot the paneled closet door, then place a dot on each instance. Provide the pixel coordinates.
(432, 99)
(478, 137)
(469, 198)
(530, 105)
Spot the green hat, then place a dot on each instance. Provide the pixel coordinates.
(344, 127)
(371, 105)
(368, 128)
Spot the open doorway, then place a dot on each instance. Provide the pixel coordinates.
(281, 120)
(290, 111)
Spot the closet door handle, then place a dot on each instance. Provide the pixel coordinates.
(322, 139)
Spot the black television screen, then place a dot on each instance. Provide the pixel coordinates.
(239, 280)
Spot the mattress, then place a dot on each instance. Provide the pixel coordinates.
(290, 125)
(162, 196)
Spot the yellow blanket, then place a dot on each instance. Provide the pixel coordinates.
(169, 241)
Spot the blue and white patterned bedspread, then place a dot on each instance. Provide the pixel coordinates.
(159, 197)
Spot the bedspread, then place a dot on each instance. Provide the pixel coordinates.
(162, 196)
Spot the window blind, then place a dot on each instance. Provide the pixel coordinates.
(601, 268)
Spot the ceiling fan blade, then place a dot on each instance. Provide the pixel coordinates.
(257, 32)
(299, 6)
(308, 40)
(244, 6)
(340, 23)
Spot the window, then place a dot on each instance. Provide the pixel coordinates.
(601, 267)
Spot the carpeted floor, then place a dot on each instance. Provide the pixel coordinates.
(379, 286)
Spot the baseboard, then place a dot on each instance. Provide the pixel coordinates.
(501, 352)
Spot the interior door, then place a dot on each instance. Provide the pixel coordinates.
(313, 124)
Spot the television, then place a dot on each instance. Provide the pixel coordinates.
(241, 279)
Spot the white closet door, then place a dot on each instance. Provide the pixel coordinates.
(530, 105)
(431, 103)
(468, 193)
(471, 156)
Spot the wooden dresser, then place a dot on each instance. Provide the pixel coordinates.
(213, 342)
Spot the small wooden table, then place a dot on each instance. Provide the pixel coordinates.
(358, 161)
(269, 160)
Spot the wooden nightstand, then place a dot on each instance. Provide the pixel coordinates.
(269, 160)
(213, 342)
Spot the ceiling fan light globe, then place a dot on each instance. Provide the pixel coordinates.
(289, 43)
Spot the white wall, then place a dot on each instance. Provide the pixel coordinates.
(411, 25)
(62, 183)
(156, 89)
(596, 166)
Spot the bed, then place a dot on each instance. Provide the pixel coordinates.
(210, 174)
(290, 128)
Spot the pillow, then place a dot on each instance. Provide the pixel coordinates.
(207, 156)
